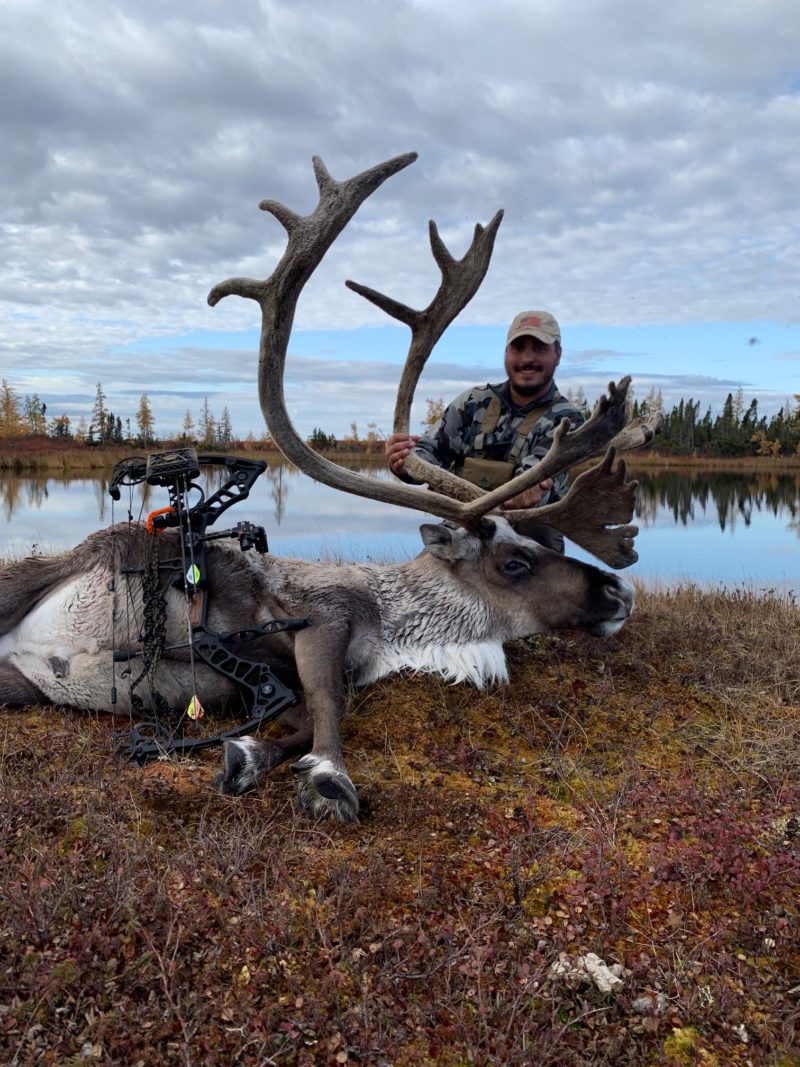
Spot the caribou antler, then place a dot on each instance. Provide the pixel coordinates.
(461, 279)
(594, 511)
(599, 499)
(309, 238)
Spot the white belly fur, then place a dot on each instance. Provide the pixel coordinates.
(76, 618)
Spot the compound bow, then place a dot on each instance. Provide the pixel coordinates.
(177, 471)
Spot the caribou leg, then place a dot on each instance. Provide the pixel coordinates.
(325, 787)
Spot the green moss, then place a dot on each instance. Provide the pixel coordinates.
(682, 1044)
(78, 830)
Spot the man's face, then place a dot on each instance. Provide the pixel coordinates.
(530, 366)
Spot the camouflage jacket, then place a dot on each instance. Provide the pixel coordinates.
(458, 434)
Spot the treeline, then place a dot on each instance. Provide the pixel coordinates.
(27, 417)
(738, 430)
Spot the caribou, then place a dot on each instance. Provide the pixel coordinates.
(476, 584)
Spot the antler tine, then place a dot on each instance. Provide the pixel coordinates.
(593, 512)
(638, 432)
(309, 237)
(461, 279)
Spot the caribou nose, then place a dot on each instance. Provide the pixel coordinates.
(625, 593)
(619, 599)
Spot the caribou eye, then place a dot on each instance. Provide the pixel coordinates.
(515, 568)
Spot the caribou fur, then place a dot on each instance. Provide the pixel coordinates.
(447, 612)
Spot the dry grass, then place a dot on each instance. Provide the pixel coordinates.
(636, 797)
(71, 460)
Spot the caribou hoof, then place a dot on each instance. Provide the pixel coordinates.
(324, 790)
(242, 769)
(246, 763)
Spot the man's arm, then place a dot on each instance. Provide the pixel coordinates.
(441, 445)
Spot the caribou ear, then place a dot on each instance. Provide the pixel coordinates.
(438, 539)
(434, 534)
(449, 542)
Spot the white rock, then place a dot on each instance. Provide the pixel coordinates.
(653, 1004)
(588, 970)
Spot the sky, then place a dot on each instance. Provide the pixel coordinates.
(645, 155)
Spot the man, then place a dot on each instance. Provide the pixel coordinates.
(490, 433)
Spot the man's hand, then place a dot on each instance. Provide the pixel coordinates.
(397, 447)
(529, 498)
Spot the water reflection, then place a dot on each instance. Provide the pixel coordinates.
(731, 497)
(278, 490)
(688, 497)
(17, 492)
(703, 525)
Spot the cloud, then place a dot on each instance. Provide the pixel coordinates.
(578, 359)
(644, 154)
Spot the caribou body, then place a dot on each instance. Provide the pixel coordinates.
(476, 583)
(448, 611)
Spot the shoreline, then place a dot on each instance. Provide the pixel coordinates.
(79, 459)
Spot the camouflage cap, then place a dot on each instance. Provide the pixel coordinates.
(539, 324)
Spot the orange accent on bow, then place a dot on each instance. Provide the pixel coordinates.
(153, 514)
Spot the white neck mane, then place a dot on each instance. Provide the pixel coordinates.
(425, 629)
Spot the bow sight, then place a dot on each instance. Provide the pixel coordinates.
(178, 471)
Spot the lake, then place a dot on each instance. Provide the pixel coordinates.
(710, 527)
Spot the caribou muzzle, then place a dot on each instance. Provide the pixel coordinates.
(612, 603)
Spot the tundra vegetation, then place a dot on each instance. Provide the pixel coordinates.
(634, 796)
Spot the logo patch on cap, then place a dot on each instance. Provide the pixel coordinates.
(539, 323)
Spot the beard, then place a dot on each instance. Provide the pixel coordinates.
(533, 390)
